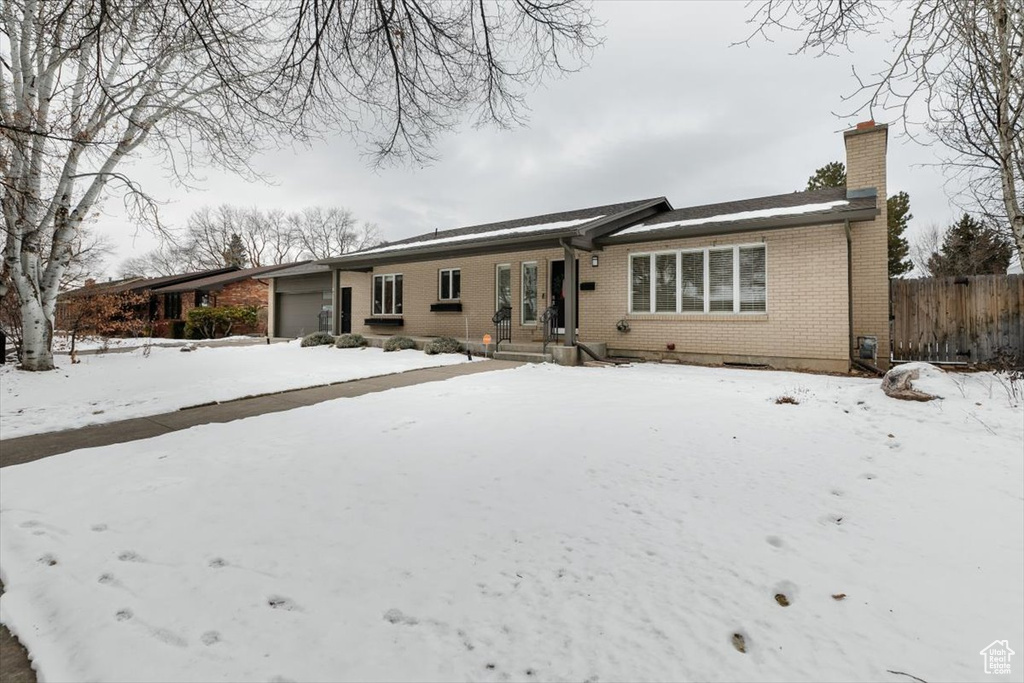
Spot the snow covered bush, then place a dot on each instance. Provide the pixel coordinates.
(318, 339)
(443, 345)
(398, 343)
(350, 341)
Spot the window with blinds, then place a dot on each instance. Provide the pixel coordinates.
(691, 287)
(640, 298)
(665, 282)
(752, 279)
(720, 279)
(711, 280)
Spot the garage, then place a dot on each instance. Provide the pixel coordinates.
(301, 294)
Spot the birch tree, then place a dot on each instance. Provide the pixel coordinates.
(86, 85)
(955, 77)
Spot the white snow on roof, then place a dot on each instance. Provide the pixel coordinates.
(741, 216)
(479, 235)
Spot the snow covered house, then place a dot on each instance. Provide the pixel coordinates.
(796, 280)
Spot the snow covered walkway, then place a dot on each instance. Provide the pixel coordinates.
(541, 523)
(118, 386)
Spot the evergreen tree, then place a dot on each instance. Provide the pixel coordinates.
(898, 216)
(833, 174)
(971, 247)
(234, 254)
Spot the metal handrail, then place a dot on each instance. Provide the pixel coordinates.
(502, 320)
(549, 321)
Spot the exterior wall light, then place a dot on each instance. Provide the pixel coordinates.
(593, 260)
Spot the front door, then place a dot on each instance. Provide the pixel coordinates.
(558, 292)
(346, 310)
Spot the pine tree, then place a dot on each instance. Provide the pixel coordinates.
(234, 254)
(833, 174)
(971, 247)
(898, 215)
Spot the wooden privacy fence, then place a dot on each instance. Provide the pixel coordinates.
(957, 320)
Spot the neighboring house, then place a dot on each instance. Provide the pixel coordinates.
(171, 297)
(132, 285)
(235, 287)
(795, 280)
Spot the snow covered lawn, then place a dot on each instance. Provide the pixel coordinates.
(117, 386)
(542, 523)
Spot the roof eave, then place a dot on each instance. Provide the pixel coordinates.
(750, 225)
(517, 243)
(581, 237)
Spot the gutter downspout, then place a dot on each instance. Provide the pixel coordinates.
(857, 362)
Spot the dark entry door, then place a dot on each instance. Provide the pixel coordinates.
(346, 310)
(558, 291)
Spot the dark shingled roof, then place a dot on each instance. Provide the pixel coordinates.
(139, 284)
(301, 269)
(487, 231)
(216, 282)
(859, 203)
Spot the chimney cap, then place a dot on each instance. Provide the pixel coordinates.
(864, 125)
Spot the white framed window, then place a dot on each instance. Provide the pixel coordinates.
(387, 294)
(528, 293)
(449, 284)
(503, 286)
(710, 280)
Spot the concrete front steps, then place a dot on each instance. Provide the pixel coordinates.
(523, 353)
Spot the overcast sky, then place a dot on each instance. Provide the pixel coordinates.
(666, 107)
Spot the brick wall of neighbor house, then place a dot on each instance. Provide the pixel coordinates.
(249, 292)
(865, 167)
(805, 325)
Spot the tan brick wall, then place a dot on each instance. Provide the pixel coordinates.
(479, 274)
(806, 316)
(806, 321)
(866, 167)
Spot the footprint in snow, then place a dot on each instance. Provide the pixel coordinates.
(218, 562)
(395, 616)
(123, 614)
(210, 638)
(99, 527)
(106, 579)
(835, 519)
(774, 541)
(130, 556)
(282, 603)
(169, 637)
(48, 560)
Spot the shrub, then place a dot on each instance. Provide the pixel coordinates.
(443, 345)
(350, 341)
(398, 343)
(318, 339)
(209, 322)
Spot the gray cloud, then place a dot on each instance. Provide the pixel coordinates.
(666, 107)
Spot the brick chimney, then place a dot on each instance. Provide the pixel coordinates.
(869, 240)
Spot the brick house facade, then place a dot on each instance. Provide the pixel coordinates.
(792, 281)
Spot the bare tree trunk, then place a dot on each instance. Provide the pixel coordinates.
(36, 350)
